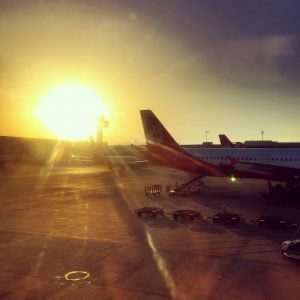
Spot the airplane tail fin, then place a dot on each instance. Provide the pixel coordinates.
(155, 132)
(165, 150)
(225, 141)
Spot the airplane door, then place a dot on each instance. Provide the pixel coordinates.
(265, 158)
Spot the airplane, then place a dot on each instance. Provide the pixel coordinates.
(123, 161)
(226, 143)
(112, 161)
(272, 164)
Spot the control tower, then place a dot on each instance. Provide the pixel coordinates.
(101, 124)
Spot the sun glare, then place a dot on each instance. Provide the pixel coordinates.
(71, 111)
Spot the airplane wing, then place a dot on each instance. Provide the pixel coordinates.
(112, 160)
(278, 172)
(81, 158)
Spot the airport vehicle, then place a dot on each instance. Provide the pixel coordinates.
(184, 191)
(154, 189)
(291, 249)
(174, 193)
(150, 212)
(187, 214)
(282, 193)
(278, 164)
(272, 221)
(226, 218)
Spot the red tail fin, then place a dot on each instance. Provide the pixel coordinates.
(165, 150)
(155, 132)
(225, 141)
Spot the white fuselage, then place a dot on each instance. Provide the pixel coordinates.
(283, 157)
(280, 164)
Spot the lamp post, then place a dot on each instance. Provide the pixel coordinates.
(206, 132)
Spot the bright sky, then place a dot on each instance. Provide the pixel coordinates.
(228, 67)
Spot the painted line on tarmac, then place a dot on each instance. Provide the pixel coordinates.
(83, 189)
(206, 252)
(71, 237)
(71, 211)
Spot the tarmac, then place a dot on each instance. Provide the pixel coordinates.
(72, 233)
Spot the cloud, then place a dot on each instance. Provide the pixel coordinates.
(277, 45)
(258, 60)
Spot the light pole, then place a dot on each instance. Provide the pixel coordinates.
(206, 132)
(262, 135)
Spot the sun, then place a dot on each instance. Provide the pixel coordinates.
(71, 111)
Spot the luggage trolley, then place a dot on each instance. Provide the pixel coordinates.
(154, 189)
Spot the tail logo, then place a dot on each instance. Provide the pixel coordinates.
(154, 131)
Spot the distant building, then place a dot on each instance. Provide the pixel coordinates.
(203, 145)
(260, 144)
(271, 144)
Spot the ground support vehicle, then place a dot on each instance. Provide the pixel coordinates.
(172, 191)
(154, 189)
(187, 214)
(291, 249)
(289, 192)
(152, 212)
(226, 218)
